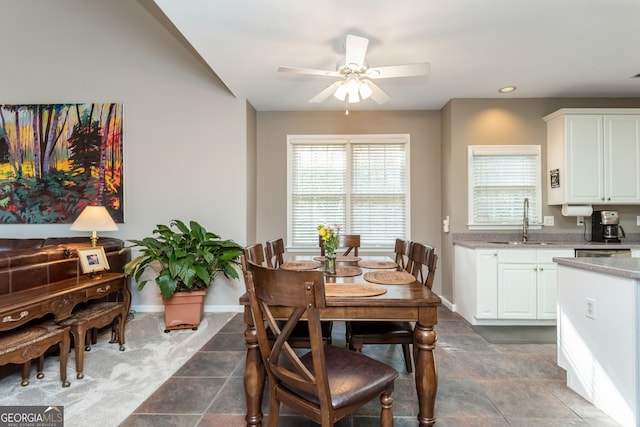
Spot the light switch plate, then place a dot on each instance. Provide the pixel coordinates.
(638, 220)
(548, 220)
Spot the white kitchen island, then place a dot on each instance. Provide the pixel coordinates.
(598, 332)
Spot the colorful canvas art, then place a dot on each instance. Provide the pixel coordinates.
(55, 159)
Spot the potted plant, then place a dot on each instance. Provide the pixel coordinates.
(186, 260)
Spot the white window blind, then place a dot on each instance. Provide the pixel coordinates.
(359, 183)
(501, 177)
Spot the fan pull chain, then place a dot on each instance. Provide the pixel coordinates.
(346, 106)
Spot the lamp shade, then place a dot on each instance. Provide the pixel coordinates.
(94, 218)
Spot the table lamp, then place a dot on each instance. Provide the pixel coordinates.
(94, 219)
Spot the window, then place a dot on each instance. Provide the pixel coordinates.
(500, 178)
(359, 182)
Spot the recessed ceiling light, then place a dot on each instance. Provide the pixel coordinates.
(507, 89)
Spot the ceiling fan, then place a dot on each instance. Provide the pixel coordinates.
(356, 76)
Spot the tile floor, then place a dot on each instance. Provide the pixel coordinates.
(479, 384)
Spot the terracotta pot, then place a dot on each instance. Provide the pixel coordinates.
(184, 310)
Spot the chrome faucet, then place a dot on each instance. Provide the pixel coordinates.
(525, 220)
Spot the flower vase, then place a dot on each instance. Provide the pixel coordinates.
(330, 264)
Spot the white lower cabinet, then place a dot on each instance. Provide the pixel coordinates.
(517, 291)
(527, 284)
(487, 284)
(499, 286)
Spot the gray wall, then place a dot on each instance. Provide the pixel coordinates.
(423, 127)
(509, 121)
(185, 135)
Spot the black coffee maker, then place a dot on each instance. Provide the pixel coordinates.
(605, 227)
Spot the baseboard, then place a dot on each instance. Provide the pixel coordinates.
(448, 304)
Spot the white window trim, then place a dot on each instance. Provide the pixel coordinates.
(345, 139)
(502, 150)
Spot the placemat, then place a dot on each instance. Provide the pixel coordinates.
(300, 265)
(389, 277)
(340, 258)
(353, 290)
(377, 264)
(346, 271)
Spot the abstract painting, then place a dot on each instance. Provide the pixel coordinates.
(55, 159)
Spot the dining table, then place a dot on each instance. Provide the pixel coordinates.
(363, 288)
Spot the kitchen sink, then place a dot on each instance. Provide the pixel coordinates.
(518, 242)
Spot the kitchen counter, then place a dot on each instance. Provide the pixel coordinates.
(623, 267)
(547, 244)
(599, 332)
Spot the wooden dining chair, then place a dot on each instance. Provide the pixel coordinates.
(402, 251)
(359, 333)
(274, 250)
(254, 253)
(349, 242)
(326, 383)
(423, 257)
(300, 336)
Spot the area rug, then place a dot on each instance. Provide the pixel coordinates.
(115, 382)
(517, 334)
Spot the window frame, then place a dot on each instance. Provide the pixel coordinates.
(512, 150)
(348, 140)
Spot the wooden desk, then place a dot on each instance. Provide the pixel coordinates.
(59, 298)
(413, 303)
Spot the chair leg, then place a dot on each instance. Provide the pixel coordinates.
(406, 352)
(274, 409)
(386, 411)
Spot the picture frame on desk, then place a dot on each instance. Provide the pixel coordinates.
(93, 260)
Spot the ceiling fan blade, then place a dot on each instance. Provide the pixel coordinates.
(327, 92)
(356, 49)
(392, 71)
(311, 71)
(377, 94)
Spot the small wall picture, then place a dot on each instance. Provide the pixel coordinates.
(93, 259)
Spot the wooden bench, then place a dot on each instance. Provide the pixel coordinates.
(22, 345)
(89, 317)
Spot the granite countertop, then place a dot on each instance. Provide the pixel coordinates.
(512, 240)
(499, 243)
(623, 267)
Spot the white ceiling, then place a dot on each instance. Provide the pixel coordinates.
(547, 48)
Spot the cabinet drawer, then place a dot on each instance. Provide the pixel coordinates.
(516, 255)
(102, 290)
(13, 319)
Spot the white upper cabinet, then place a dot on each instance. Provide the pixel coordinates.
(593, 156)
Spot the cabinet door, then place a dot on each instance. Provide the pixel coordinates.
(517, 291)
(486, 284)
(584, 159)
(547, 291)
(622, 158)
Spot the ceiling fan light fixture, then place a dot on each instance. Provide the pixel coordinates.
(354, 97)
(365, 90)
(341, 92)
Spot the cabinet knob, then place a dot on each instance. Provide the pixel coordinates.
(541, 269)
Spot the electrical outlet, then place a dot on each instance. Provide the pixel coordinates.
(590, 308)
(580, 220)
(548, 220)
